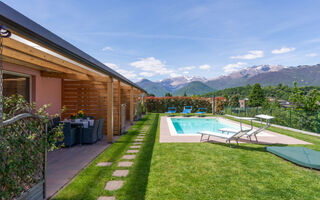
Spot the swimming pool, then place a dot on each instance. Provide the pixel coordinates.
(188, 126)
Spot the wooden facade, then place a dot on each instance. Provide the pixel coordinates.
(82, 88)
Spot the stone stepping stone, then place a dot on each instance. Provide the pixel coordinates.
(135, 147)
(113, 185)
(132, 151)
(138, 140)
(120, 173)
(140, 137)
(129, 157)
(125, 164)
(137, 143)
(104, 164)
(106, 198)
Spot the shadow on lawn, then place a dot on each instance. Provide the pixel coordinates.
(137, 184)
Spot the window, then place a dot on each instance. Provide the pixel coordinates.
(14, 83)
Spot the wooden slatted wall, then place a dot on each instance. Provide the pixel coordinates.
(89, 96)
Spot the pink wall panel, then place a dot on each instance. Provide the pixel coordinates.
(44, 90)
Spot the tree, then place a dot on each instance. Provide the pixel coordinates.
(307, 102)
(234, 101)
(150, 95)
(168, 94)
(185, 94)
(256, 97)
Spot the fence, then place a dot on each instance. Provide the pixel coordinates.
(308, 121)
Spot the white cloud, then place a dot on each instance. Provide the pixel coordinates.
(185, 72)
(311, 54)
(152, 65)
(146, 74)
(107, 48)
(174, 75)
(187, 68)
(126, 73)
(204, 67)
(283, 50)
(251, 55)
(234, 67)
(112, 66)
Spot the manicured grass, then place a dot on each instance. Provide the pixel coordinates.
(89, 184)
(198, 171)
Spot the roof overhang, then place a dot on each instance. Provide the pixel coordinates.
(28, 29)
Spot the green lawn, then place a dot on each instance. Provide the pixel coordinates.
(197, 171)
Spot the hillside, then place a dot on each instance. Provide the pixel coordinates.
(304, 75)
(194, 88)
(152, 87)
(280, 91)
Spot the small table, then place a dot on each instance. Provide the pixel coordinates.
(79, 124)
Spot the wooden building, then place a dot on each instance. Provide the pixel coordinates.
(47, 69)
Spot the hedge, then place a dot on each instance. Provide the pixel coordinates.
(161, 104)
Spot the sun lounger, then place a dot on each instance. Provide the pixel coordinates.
(171, 111)
(187, 110)
(201, 111)
(228, 134)
(254, 132)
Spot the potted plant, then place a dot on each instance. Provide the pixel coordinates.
(73, 116)
(81, 114)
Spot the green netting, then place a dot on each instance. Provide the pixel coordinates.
(298, 155)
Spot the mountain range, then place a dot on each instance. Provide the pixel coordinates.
(304, 75)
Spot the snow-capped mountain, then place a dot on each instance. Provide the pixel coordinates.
(304, 75)
(175, 83)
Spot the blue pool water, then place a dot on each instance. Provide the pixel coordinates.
(194, 125)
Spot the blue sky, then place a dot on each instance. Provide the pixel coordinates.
(162, 38)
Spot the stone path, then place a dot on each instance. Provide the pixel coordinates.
(113, 185)
(125, 164)
(121, 173)
(117, 184)
(106, 198)
(132, 151)
(129, 157)
(137, 143)
(104, 164)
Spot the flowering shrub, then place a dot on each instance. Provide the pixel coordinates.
(23, 145)
(161, 104)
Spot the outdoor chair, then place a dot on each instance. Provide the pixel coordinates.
(232, 134)
(187, 110)
(254, 132)
(101, 121)
(89, 135)
(201, 112)
(171, 111)
(69, 134)
(56, 121)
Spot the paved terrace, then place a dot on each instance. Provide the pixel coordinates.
(64, 164)
(265, 137)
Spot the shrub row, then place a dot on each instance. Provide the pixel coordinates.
(161, 104)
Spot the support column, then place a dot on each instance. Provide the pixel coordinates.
(131, 105)
(110, 111)
(119, 108)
